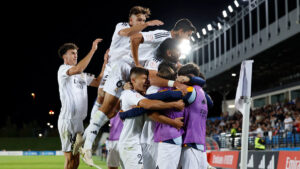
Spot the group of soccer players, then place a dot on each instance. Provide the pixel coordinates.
(156, 107)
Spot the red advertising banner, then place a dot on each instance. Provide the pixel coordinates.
(225, 159)
(289, 160)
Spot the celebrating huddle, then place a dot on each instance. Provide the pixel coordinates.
(156, 106)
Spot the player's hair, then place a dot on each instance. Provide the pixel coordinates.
(184, 24)
(167, 70)
(139, 71)
(168, 44)
(139, 10)
(190, 68)
(65, 47)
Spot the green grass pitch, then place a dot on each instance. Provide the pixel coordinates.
(42, 162)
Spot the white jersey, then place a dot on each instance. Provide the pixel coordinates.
(132, 127)
(73, 93)
(149, 125)
(120, 45)
(152, 40)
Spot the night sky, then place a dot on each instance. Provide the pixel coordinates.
(33, 33)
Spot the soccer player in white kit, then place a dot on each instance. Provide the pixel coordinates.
(73, 84)
(118, 56)
(183, 29)
(129, 142)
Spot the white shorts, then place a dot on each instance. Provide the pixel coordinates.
(168, 155)
(192, 158)
(149, 155)
(107, 70)
(113, 156)
(119, 74)
(67, 131)
(131, 157)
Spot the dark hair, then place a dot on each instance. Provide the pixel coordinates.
(167, 70)
(184, 24)
(139, 10)
(139, 71)
(168, 44)
(190, 68)
(65, 47)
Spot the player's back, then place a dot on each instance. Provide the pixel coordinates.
(195, 116)
(120, 45)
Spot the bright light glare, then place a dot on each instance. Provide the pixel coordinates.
(230, 8)
(193, 39)
(219, 25)
(198, 34)
(185, 47)
(224, 14)
(204, 31)
(236, 3)
(209, 27)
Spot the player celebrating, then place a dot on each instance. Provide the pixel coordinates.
(73, 96)
(129, 143)
(119, 48)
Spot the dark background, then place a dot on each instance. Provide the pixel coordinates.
(33, 31)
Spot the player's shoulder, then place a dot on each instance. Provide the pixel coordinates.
(64, 67)
(124, 24)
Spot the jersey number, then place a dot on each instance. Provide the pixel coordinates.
(140, 158)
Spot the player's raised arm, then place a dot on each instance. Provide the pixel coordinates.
(160, 105)
(96, 81)
(138, 28)
(80, 67)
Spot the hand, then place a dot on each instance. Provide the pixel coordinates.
(181, 87)
(106, 56)
(179, 105)
(154, 23)
(95, 44)
(183, 79)
(178, 124)
(127, 86)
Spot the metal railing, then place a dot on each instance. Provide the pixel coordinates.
(253, 28)
(280, 140)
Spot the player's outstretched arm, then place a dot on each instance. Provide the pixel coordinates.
(160, 82)
(135, 41)
(138, 28)
(192, 80)
(96, 81)
(80, 67)
(160, 118)
(160, 105)
(134, 112)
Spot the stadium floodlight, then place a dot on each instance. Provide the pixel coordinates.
(231, 106)
(198, 35)
(224, 14)
(236, 3)
(209, 27)
(230, 8)
(193, 39)
(33, 95)
(51, 112)
(233, 74)
(185, 47)
(48, 124)
(219, 25)
(51, 126)
(40, 135)
(204, 31)
(182, 57)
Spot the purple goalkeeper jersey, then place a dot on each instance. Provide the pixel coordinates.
(116, 126)
(195, 119)
(165, 132)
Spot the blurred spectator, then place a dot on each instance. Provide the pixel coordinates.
(288, 122)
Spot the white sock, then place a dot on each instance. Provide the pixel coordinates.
(94, 109)
(97, 121)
